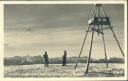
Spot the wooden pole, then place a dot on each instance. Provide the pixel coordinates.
(117, 42)
(105, 50)
(88, 61)
(81, 49)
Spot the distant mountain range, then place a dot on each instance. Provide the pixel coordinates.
(17, 60)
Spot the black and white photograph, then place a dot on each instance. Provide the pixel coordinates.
(64, 40)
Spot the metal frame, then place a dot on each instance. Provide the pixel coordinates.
(97, 11)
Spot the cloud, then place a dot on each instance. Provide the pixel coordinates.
(55, 28)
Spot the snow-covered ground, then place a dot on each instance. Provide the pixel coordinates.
(56, 70)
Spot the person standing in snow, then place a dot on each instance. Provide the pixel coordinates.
(46, 59)
(64, 58)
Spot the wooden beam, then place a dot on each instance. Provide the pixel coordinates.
(88, 61)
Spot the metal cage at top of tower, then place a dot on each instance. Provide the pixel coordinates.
(99, 20)
(99, 16)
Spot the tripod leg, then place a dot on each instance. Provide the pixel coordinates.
(117, 42)
(93, 11)
(81, 49)
(88, 61)
(105, 51)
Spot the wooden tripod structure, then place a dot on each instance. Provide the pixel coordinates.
(98, 22)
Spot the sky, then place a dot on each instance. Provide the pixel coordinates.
(32, 29)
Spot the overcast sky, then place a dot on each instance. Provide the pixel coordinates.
(31, 29)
